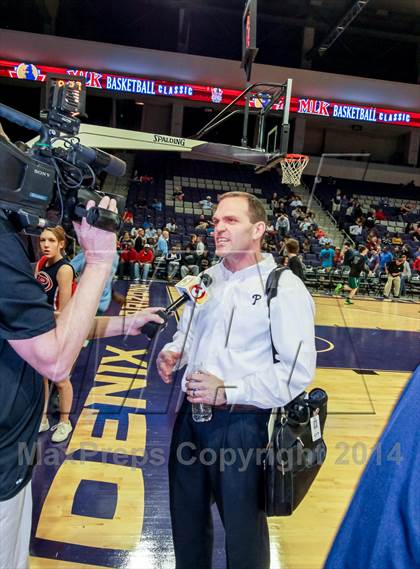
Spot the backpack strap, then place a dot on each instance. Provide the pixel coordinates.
(273, 283)
(271, 289)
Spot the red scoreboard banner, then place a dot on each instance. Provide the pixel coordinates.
(210, 94)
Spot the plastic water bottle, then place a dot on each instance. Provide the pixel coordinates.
(201, 412)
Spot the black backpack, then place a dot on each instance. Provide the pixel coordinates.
(296, 449)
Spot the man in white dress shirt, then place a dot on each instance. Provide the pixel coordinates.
(229, 335)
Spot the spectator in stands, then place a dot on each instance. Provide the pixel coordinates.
(338, 257)
(356, 229)
(143, 179)
(386, 239)
(284, 261)
(417, 253)
(335, 203)
(379, 214)
(153, 245)
(178, 193)
(348, 254)
(201, 222)
(150, 232)
(409, 227)
(274, 202)
(207, 203)
(370, 219)
(162, 244)
(406, 209)
(147, 222)
(200, 247)
(393, 270)
(282, 226)
(326, 256)
(173, 259)
(270, 246)
(193, 241)
(140, 240)
(210, 229)
(270, 230)
(297, 213)
(348, 216)
(125, 242)
(204, 261)
(406, 250)
(144, 262)
(311, 217)
(357, 210)
(280, 247)
(295, 202)
(416, 265)
(306, 246)
(189, 262)
(372, 239)
(157, 205)
(171, 226)
(294, 263)
(373, 260)
(306, 224)
(344, 204)
(415, 234)
(396, 239)
(385, 257)
(202, 227)
(127, 217)
(405, 275)
(128, 256)
(325, 240)
(281, 208)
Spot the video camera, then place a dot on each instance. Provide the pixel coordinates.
(46, 177)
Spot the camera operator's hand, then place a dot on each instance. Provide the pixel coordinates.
(98, 245)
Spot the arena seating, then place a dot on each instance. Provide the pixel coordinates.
(198, 179)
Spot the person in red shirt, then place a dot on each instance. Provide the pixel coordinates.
(338, 257)
(379, 215)
(416, 265)
(128, 258)
(143, 262)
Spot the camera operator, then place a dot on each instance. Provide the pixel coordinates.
(34, 344)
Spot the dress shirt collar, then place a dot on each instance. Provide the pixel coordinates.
(266, 264)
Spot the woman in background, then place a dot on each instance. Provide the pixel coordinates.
(57, 277)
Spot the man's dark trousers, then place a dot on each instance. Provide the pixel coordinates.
(229, 472)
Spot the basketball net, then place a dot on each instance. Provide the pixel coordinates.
(292, 166)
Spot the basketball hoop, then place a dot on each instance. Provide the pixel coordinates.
(292, 166)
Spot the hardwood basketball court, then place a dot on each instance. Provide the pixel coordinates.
(101, 499)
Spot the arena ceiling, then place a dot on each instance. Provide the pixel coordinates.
(381, 42)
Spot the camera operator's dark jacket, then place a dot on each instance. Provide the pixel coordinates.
(24, 313)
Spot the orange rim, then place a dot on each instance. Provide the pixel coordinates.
(295, 158)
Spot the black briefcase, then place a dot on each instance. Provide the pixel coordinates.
(296, 448)
(295, 452)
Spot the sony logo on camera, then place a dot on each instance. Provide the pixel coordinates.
(42, 173)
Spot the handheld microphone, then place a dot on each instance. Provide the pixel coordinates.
(191, 288)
